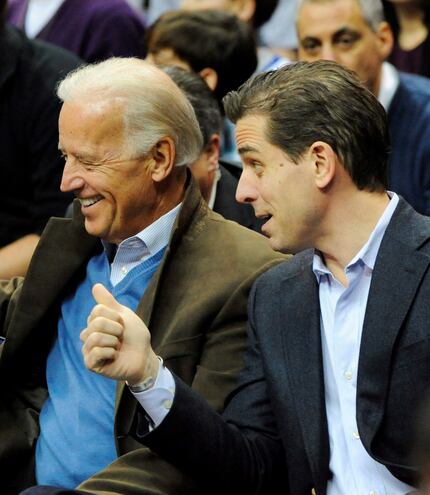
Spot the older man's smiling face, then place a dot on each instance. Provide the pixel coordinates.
(115, 190)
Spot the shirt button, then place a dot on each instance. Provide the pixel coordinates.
(124, 270)
(348, 375)
(167, 404)
(357, 437)
(373, 492)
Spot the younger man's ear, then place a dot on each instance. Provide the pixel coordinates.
(324, 163)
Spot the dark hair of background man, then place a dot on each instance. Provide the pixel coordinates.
(208, 38)
(202, 100)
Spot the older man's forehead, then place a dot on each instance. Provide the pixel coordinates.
(85, 128)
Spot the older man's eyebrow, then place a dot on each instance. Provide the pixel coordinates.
(247, 149)
(84, 156)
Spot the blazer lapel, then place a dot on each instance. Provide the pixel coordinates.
(302, 348)
(394, 283)
(62, 250)
(125, 403)
(398, 271)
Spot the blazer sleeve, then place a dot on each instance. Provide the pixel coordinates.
(240, 452)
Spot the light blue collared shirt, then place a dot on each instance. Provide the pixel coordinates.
(342, 316)
(136, 249)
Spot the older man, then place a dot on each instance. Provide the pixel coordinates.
(354, 33)
(338, 352)
(126, 132)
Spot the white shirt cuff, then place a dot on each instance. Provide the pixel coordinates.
(158, 400)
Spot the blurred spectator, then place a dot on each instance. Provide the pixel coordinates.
(275, 30)
(410, 21)
(217, 45)
(93, 29)
(354, 33)
(214, 44)
(30, 163)
(217, 180)
(256, 12)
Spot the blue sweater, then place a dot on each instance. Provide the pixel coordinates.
(78, 416)
(409, 122)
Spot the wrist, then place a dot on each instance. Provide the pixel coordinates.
(148, 379)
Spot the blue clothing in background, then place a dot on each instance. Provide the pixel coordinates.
(409, 122)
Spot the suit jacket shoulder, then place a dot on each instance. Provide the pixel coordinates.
(409, 123)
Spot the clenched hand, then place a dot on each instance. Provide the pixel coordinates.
(117, 342)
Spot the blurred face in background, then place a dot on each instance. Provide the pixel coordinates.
(336, 30)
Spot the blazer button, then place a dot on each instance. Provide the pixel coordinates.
(313, 492)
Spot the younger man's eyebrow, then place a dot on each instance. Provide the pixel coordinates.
(246, 149)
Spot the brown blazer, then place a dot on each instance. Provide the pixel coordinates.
(195, 307)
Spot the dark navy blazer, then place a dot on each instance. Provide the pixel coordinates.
(277, 429)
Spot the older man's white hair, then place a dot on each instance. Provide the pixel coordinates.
(154, 107)
(372, 10)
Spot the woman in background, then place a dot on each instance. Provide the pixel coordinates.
(410, 21)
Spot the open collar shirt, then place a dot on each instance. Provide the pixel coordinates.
(342, 316)
(138, 248)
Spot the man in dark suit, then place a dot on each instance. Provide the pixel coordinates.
(355, 34)
(339, 339)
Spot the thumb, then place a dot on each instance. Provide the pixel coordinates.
(103, 296)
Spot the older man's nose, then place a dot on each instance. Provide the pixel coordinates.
(70, 180)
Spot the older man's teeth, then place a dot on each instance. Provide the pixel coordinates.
(90, 201)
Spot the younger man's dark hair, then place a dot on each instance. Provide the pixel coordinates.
(307, 102)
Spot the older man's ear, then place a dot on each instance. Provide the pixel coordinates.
(162, 159)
